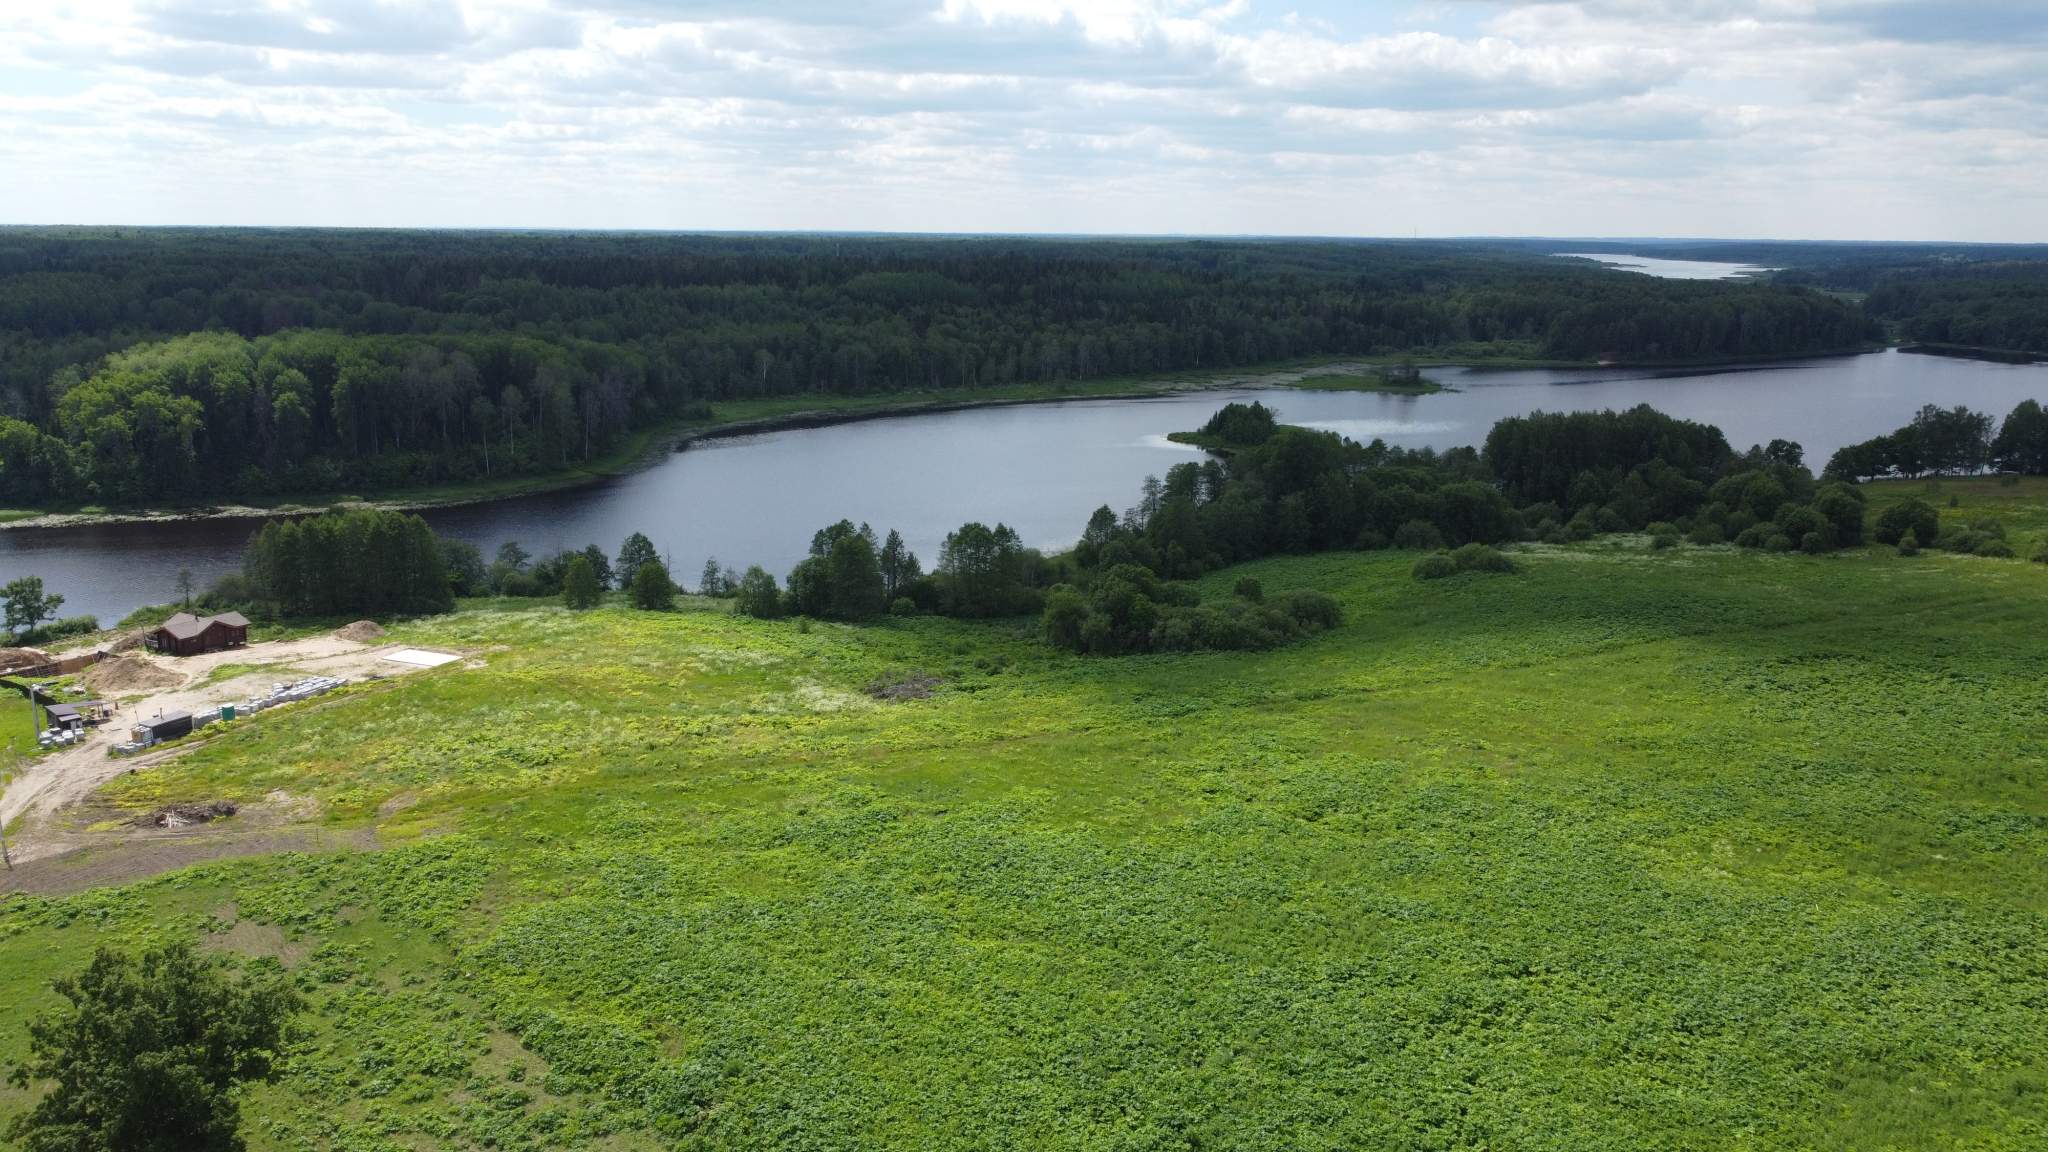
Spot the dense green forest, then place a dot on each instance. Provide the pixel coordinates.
(2003, 306)
(165, 364)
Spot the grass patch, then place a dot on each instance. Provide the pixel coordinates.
(17, 725)
(1688, 849)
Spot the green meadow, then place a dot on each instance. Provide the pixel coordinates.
(1634, 849)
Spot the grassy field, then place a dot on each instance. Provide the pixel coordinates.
(1692, 849)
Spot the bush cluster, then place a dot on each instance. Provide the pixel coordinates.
(1470, 558)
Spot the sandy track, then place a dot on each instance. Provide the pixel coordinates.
(66, 778)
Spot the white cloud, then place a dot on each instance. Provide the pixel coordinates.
(1883, 118)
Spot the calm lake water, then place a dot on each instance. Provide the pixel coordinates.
(1041, 468)
(1671, 269)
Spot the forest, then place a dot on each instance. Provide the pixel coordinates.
(168, 364)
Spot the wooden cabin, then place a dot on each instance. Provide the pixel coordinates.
(189, 635)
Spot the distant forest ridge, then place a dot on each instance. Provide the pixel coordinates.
(151, 364)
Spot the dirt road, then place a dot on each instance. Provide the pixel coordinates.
(48, 783)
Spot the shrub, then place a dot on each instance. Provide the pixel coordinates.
(903, 606)
(1751, 537)
(1371, 541)
(1997, 549)
(1248, 588)
(1908, 546)
(1779, 543)
(1960, 540)
(2041, 551)
(1610, 520)
(1990, 527)
(1481, 558)
(1314, 611)
(1664, 540)
(1816, 543)
(1908, 516)
(1418, 536)
(1434, 566)
(1535, 516)
(1707, 533)
(58, 629)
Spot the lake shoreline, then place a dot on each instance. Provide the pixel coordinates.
(655, 443)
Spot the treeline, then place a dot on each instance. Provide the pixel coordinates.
(1951, 441)
(340, 359)
(2002, 306)
(344, 563)
(217, 414)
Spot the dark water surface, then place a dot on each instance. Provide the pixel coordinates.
(1041, 468)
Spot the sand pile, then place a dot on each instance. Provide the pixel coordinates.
(129, 641)
(22, 657)
(361, 632)
(129, 674)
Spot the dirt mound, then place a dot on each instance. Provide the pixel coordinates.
(361, 632)
(129, 641)
(182, 815)
(22, 657)
(129, 674)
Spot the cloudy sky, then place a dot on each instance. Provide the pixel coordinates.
(1877, 119)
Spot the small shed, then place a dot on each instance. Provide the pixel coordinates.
(187, 635)
(168, 726)
(78, 714)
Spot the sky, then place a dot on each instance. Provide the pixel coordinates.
(1795, 119)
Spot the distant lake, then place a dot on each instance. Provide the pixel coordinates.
(1670, 269)
(1041, 468)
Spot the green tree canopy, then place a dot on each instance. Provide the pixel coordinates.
(652, 588)
(579, 583)
(146, 1053)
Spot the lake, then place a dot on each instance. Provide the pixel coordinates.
(1041, 468)
(1671, 269)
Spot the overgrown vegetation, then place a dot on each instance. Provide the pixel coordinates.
(1633, 849)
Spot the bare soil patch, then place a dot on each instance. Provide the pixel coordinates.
(248, 938)
(184, 815)
(904, 686)
(125, 861)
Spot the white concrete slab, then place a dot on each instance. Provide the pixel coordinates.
(420, 657)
